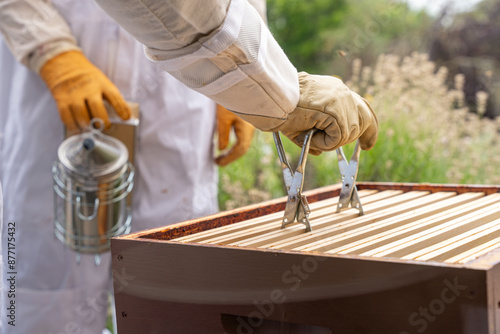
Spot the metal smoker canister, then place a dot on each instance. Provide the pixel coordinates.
(91, 182)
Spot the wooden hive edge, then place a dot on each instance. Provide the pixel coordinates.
(432, 187)
(229, 217)
(224, 218)
(118, 244)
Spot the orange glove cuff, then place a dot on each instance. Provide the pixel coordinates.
(226, 121)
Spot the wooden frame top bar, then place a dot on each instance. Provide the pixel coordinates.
(256, 210)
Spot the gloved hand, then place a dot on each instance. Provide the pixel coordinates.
(326, 104)
(243, 131)
(79, 89)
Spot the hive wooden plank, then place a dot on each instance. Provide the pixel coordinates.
(316, 218)
(220, 219)
(318, 223)
(408, 233)
(338, 236)
(410, 222)
(474, 253)
(374, 212)
(230, 217)
(266, 232)
(423, 225)
(225, 230)
(422, 239)
(445, 231)
(459, 243)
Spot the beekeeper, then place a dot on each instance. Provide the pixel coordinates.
(58, 60)
(222, 49)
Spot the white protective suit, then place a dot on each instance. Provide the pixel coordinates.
(176, 177)
(222, 49)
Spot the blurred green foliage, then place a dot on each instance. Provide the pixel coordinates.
(319, 36)
(302, 27)
(373, 27)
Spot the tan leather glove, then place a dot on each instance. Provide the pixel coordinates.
(341, 115)
(226, 121)
(79, 89)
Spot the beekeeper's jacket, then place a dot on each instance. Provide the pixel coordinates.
(175, 179)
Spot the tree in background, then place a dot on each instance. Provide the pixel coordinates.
(301, 28)
(470, 45)
(320, 35)
(325, 36)
(374, 27)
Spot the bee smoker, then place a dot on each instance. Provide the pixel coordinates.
(92, 180)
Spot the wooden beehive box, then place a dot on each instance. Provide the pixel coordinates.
(423, 259)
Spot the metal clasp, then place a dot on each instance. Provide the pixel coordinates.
(297, 208)
(349, 172)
